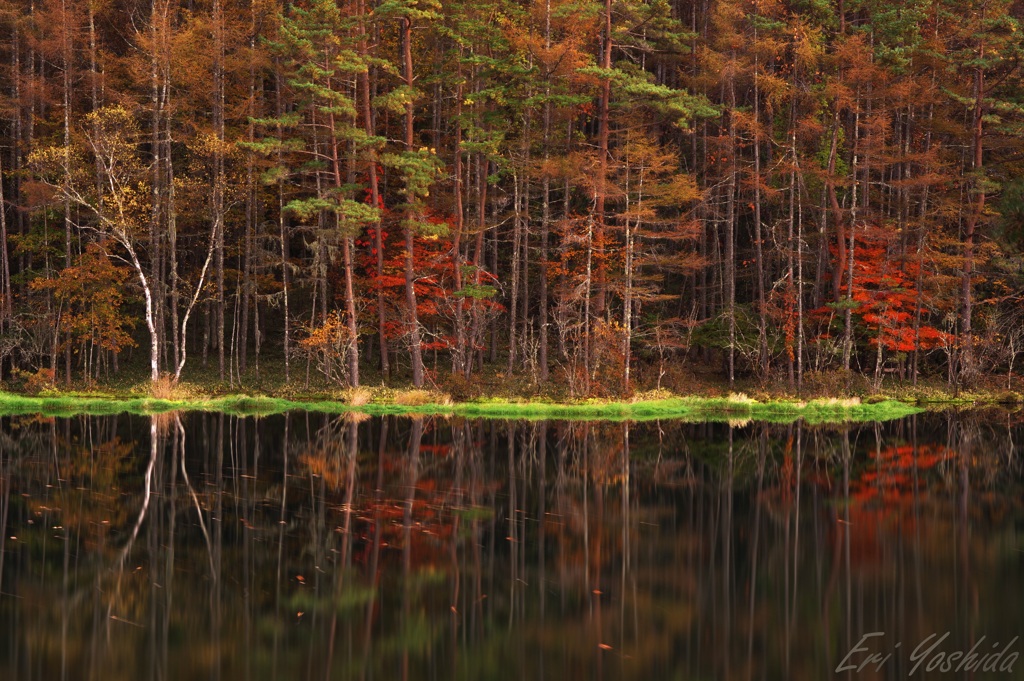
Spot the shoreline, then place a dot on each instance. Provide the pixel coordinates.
(735, 407)
(704, 404)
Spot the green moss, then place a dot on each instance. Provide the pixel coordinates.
(681, 408)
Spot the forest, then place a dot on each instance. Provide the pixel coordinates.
(606, 196)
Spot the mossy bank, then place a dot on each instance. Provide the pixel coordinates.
(732, 408)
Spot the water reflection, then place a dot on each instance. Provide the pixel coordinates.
(319, 547)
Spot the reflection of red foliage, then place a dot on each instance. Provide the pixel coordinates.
(434, 516)
(881, 497)
(435, 450)
(891, 478)
(429, 532)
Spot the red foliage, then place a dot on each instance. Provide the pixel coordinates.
(433, 268)
(886, 296)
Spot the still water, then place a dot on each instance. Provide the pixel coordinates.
(305, 546)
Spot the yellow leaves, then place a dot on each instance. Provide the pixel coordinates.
(69, 173)
(46, 157)
(329, 335)
(808, 48)
(776, 90)
(327, 344)
(113, 134)
(207, 145)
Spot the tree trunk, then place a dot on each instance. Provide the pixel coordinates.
(762, 325)
(346, 250)
(410, 291)
(790, 358)
(218, 171)
(837, 212)
(283, 235)
(157, 29)
(976, 211)
(459, 356)
(851, 250)
(66, 68)
(7, 307)
(542, 294)
(517, 235)
(730, 228)
(251, 201)
(378, 242)
(350, 311)
(604, 106)
(478, 255)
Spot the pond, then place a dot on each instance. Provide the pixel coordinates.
(308, 546)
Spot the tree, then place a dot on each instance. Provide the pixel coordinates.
(417, 167)
(92, 298)
(653, 225)
(321, 65)
(984, 54)
(121, 215)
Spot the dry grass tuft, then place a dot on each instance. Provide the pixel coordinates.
(357, 397)
(419, 398)
(653, 395)
(846, 402)
(741, 398)
(164, 388)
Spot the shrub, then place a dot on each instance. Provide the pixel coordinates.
(327, 346)
(40, 381)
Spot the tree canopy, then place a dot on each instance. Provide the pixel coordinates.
(610, 195)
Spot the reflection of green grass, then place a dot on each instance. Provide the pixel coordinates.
(683, 408)
(471, 513)
(349, 599)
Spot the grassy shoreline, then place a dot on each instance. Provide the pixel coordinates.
(412, 403)
(827, 397)
(503, 397)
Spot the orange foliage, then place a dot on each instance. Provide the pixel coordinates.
(92, 293)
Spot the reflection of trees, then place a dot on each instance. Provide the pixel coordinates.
(69, 518)
(336, 547)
